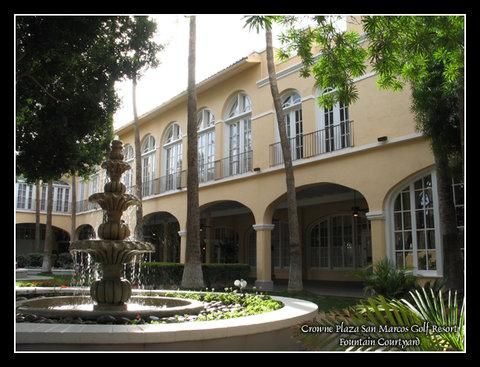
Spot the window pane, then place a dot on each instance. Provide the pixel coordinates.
(432, 260)
(398, 241)
(314, 242)
(398, 221)
(420, 219)
(431, 239)
(407, 240)
(422, 260)
(420, 239)
(407, 220)
(419, 199)
(397, 205)
(409, 259)
(399, 259)
(417, 185)
(427, 181)
(406, 200)
(429, 218)
(428, 198)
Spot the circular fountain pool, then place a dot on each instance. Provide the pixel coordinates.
(81, 306)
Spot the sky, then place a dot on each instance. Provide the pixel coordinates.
(221, 41)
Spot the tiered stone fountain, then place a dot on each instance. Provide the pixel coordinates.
(112, 250)
(111, 293)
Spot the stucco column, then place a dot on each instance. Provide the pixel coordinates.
(264, 256)
(183, 245)
(379, 244)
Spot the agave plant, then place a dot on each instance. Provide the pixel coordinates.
(382, 324)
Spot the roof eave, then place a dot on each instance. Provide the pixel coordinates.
(205, 84)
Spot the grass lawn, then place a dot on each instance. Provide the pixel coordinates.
(325, 303)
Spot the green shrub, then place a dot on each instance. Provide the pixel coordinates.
(34, 260)
(22, 261)
(387, 280)
(169, 275)
(161, 275)
(64, 260)
(223, 275)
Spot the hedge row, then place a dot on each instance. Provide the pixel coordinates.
(168, 275)
(35, 260)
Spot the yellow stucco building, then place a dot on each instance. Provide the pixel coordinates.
(365, 178)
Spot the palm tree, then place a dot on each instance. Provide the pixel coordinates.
(37, 215)
(295, 271)
(192, 272)
(47, 252)
(138, 162)
(145, 55)
(74, 207)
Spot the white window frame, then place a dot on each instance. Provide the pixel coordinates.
(356, 246)
(172, 145)
(339, 140)
(292, 111)
(390, 230)
(148, 165)
(61, 198)
(127, 177)
(206, 145)
(28, 197)
(243, 122)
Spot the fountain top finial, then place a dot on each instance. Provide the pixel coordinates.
(116, 151)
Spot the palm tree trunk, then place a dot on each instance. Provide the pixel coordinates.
(138, 164)
(47, 252)
(453, 269)
(295, 271)
(37, 216)
(73, 226)
(192, 271)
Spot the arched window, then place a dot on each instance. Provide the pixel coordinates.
(281, 245)
(206, 145)
(148, 166)
(339, 241)
(292, 108)
(335, 123)
(127, 177)
(415, 226)
(172, 147)
(225, 246)
(239, 135)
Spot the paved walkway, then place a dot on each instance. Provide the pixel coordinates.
(326, 288)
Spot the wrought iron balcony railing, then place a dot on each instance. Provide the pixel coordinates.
(319, 142)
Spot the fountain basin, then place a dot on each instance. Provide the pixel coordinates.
(268, 331)
(81, 306)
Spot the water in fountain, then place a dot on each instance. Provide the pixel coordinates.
(107, 256)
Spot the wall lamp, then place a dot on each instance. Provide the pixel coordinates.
(382, 138)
